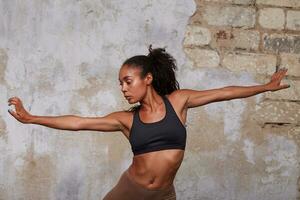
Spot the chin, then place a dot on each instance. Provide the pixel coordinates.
(130, 101)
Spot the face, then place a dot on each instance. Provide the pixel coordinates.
(131, 84)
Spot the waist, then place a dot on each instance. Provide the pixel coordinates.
(156, 170)
(147, 181)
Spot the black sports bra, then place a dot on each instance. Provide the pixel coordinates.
(168, 133)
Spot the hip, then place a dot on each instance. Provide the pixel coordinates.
(127, 188)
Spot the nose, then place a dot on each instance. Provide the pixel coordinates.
(123, 88)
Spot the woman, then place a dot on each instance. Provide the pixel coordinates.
(155, 128)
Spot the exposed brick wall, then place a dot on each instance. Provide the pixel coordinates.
(256, 36)
(247, 35)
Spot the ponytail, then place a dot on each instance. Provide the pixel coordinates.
(163, 71)
(161, 65)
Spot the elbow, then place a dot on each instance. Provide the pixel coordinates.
(227, 94)
(77, 124)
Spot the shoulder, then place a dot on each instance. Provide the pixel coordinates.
(180, 93)
(124, 117)
(121, 115)
(179, 97)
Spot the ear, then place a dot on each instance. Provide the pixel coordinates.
(148, 78)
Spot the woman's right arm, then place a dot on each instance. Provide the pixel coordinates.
(64, 122)
(109, 122)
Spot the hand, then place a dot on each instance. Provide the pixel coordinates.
(21, 114)
(274, 84)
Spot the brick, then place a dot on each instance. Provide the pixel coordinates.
(277, 112)
(203, 57)
(271, 18)
(236, 39)
(238, 2)
(282, 3)
(294, 134)
(246, 39)
(281, 43)
(291, 62)
(197, 35)
(286, 130)
(243, 2)
(293, 20)
(262, 64)
(291, 93)
(234, 16)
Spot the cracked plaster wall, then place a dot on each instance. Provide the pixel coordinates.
(63, 57)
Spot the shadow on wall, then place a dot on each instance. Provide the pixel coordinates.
(298, 183)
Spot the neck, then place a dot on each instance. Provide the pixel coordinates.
(152, 101)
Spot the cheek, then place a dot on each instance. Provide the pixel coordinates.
(138, 89)
(136, 86)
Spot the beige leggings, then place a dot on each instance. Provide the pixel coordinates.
(128, 189)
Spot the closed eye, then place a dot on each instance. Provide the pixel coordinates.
(126, 83)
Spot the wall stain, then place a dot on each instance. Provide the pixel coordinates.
(224, 35)
(3, 65)
(298, 184)
(37, 175)
(200, 142)
(70, 185)
(3, 131)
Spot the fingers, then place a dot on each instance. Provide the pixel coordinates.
(11, 112)
(283, 70)
(280, 73)
(14, 114)
(284, 86)
(16, 102)
(18, 107)
(14, 98)
(12, 102)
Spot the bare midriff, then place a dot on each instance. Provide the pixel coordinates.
(157, 169)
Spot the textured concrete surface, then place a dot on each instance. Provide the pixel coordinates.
(63, 57)
(245, 148)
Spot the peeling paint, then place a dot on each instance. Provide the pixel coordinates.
(249, 151)
(281, 159)
(2, 127)
(282, 156)
(3, 64)
(71, 184)
(230, 112)
(63, 57)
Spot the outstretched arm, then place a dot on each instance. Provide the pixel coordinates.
(235, 92)
(109, 122)
(194, 98)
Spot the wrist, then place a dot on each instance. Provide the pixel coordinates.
(267, 87)
(30, 119)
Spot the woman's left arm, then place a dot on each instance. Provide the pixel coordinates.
(193, 98)
(247, 91)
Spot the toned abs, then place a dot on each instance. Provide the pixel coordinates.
(154, 170)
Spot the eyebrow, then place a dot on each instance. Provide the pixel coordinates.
(125, 77)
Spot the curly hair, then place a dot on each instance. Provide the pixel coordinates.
(161, 65)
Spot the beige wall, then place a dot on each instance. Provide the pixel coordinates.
(246, 148)
(62, 57)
